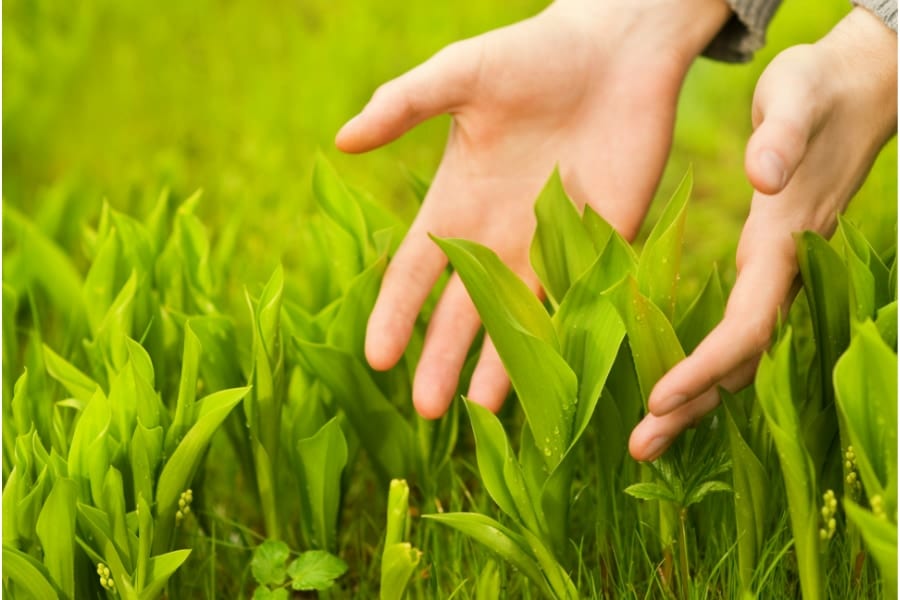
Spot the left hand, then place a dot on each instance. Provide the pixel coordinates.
(821, 113)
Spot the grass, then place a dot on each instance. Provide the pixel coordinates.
(120, 100)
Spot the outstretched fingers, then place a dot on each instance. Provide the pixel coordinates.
(728, 355)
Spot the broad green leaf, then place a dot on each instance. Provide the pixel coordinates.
(269, 562)
(855, 242)
(182, 464)
(56, 530)
(704, 313)
(776, 393)
(57, 275)
(880, 536)
(321, 460)
(187, 388)
(384, 433)
(492, 452)
(525, 338)
(561, 249)
(503, 542)
(90, 433)
(865, 382)
(398, 563)
(618, 254)
(315, 570)
(651, 491)
(556, 575)
(886, 321)
(264, 593)
(661, 257)
(101, 281)
(654, 345)
(338, 202)
(825, 280)
(77, 383)
(590, 333)
(27, 574)
(144, 515)
(113, 503)
(751, 494)
(347, 331)
(160, 569)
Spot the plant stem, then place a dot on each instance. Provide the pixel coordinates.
(682, 543)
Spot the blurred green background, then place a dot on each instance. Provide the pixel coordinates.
(109, 99)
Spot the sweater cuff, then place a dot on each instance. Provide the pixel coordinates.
(886, 10)
(745, 31)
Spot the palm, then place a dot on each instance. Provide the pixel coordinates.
(523, 99)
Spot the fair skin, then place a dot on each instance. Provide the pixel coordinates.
(592, 86)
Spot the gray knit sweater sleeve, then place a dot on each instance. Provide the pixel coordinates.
(745, 31)
(886, 10)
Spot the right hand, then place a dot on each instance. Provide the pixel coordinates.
(590, 85)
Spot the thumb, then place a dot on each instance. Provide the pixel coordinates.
(786, 116)
(438, 85)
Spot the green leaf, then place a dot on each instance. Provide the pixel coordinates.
(315, 570)
(561, 249)
(706, 488)
(554, 572)
(268, 563)
(704, 313)
(56, 530)
(26, 574)
(661, 258)
(321, 460)
(880, 537)
(57, 275)
(651, 491)
(398, 563)
(384, 433)
(825, 279)
(338, 202)
(865, 382)
(77, 383)
(347, 330)
(751, 494)
(654, 345)
(590, 333)
(618, 255)
(264, 593)
(492, 452)
(500, 540)
(886, 321)
(526, 340)
(160, 569)
(181, 466)
(776, 390)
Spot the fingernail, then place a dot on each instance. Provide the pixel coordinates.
(772, 169)
(669, 404)
(656, 446)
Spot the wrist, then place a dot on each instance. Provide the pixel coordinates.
(674, 30)
(864, 52)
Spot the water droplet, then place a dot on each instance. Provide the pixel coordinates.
(547, 451)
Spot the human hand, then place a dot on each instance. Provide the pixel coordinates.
(589, 85)
(821, 114)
